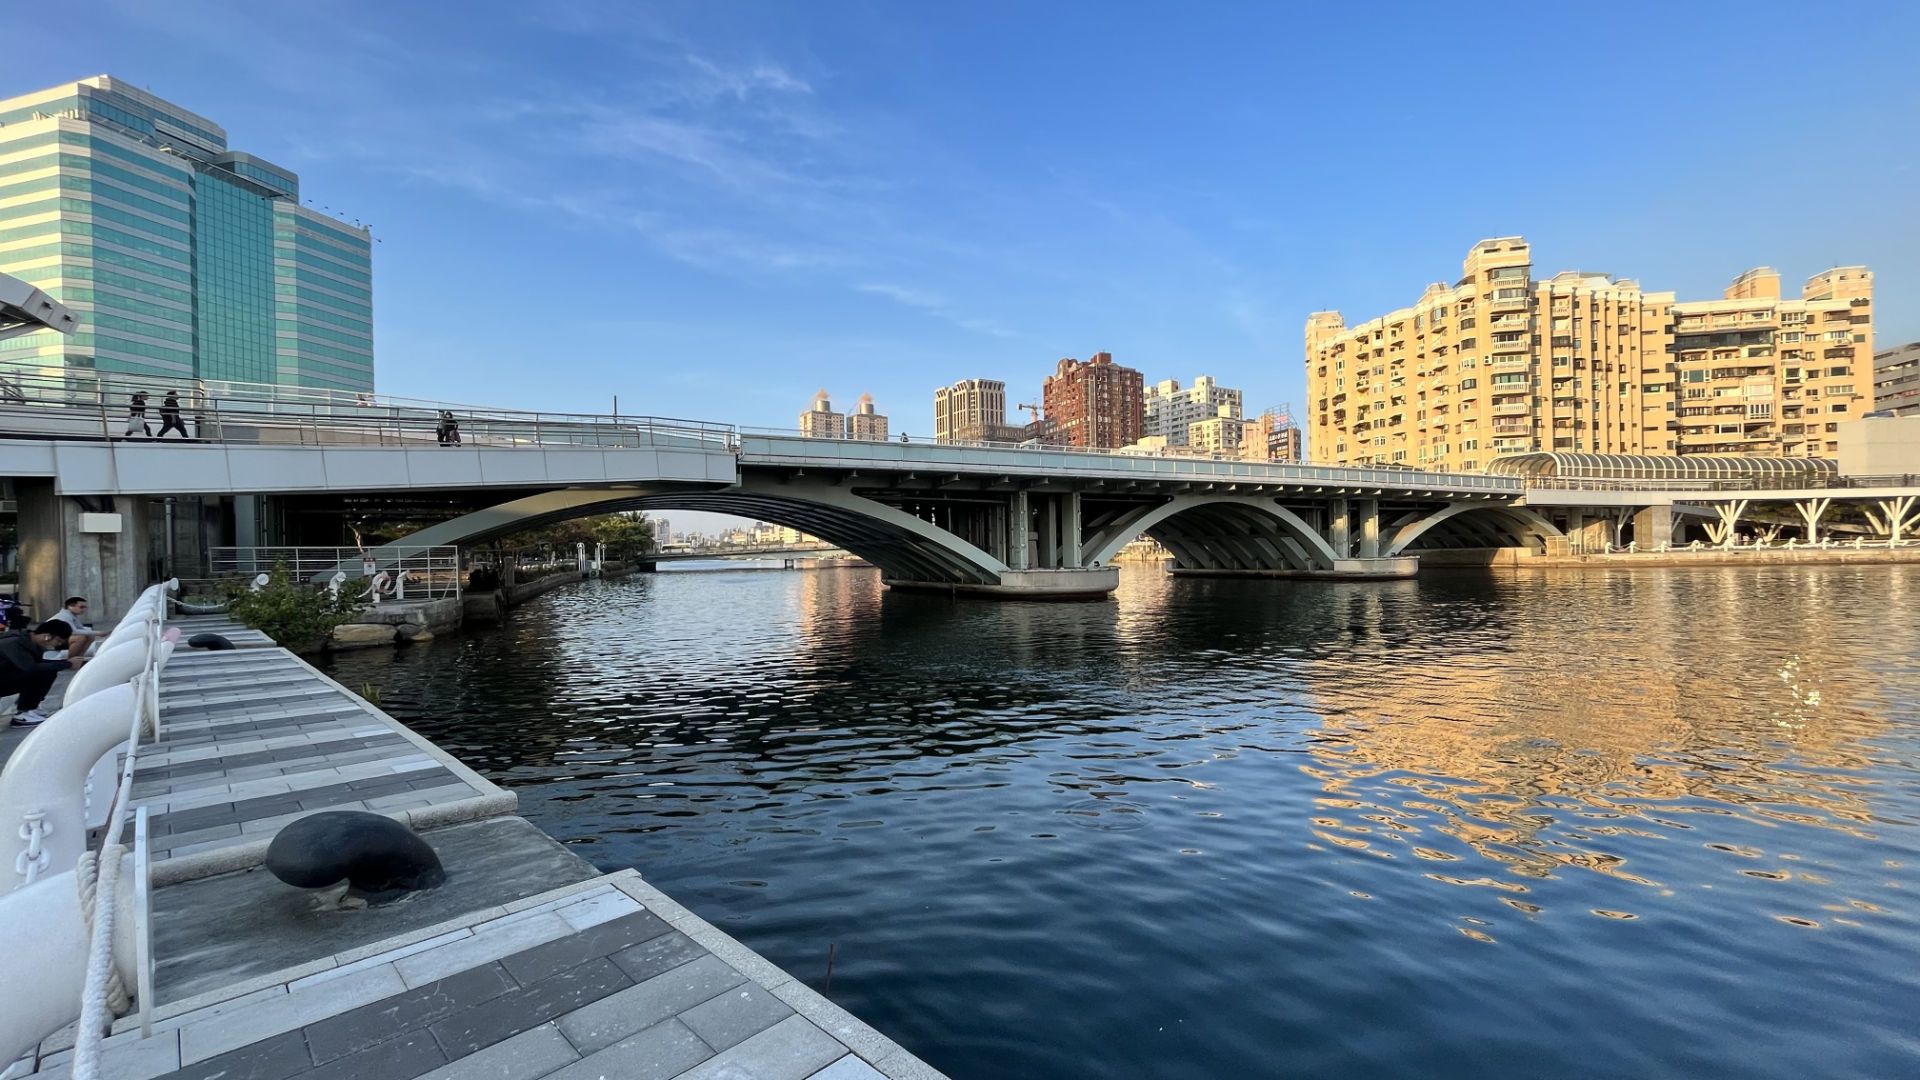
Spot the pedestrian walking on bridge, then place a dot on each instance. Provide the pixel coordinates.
(137, 414)
(170, 416)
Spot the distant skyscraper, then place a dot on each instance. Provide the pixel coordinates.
(821, 422)
(972, 410)
(1095, 404)
(183, 259)
(865, 424)
(1170, 408)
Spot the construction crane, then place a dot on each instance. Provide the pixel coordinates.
(1032, 410)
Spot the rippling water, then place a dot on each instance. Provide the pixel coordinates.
(1604, 824)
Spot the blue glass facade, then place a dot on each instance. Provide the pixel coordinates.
(184, 260)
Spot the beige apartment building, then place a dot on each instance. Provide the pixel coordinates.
(821, 422)
(972, 410)
(1502, 363)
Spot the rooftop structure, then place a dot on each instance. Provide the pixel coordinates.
(820, 421)
(864, 423)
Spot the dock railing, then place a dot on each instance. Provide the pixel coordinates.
(413, 573)
(74, 898)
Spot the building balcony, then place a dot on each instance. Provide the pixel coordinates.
(1517, 408)
(1519, 346)
(1509, 303)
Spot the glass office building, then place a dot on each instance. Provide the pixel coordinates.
(183, 259)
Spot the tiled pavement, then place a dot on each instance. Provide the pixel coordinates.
(608, 978)
(252, 739)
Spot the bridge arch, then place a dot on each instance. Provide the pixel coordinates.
(1474, 524)
(904, 547)
(1218, 532)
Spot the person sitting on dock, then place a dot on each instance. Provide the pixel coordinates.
(24, 669)
(80, 634)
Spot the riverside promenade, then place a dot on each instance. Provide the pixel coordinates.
(526, 963)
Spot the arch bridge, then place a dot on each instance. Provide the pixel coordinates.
(1050, 523)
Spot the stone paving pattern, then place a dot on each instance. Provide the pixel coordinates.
(609, 978)
(253, 739)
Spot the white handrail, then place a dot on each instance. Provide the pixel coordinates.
(75, 951)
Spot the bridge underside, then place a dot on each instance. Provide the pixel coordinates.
(1021, 537)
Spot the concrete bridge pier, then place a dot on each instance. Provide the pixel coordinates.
(1036, 535)
(1653, 526)
(97, 547)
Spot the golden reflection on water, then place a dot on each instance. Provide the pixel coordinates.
(1538, 760)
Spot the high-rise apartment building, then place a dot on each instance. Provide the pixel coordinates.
(820, 421)
(1500, 363)
(183, 259)
(864, 423)
(972, 410)
(1170, 407)
(1896, 380)
(1096, 403)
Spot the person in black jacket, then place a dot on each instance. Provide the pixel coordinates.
(25, 671)
(170, 415)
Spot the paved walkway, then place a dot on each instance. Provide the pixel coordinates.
(252, 739)
(599, 978)
(605, 979)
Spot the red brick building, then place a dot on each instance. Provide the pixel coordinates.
(1096, 404)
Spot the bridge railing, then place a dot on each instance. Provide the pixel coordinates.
(100, 407)
(1031, 458)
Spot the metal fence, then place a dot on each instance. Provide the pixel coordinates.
(413, 573)
(1754, 483)
(102, 407)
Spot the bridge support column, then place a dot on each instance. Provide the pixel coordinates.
(1049, 553)
(1653, 526)
(1340, 527)
(1811, 511)
(1019, 530)
(67, 550)
(1070, 537)
(1369, 528)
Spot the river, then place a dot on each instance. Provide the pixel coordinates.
(1658, 823)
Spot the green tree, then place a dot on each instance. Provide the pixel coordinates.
(293, 613)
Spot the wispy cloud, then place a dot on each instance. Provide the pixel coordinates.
(935, 305)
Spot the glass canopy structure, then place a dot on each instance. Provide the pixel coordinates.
(1662, 467)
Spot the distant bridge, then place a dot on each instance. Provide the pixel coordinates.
(681, 553)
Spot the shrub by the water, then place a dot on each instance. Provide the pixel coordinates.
(293, 613)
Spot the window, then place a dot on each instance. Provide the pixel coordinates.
(1468, 384)
(1835, 372)
(1842, 390)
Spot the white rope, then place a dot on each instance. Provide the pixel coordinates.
(89, 877)
(105, 997)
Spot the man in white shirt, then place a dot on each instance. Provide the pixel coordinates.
(82, 637)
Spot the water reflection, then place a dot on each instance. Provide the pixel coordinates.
(1631, 824)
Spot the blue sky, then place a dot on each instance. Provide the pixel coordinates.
(713, 209)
